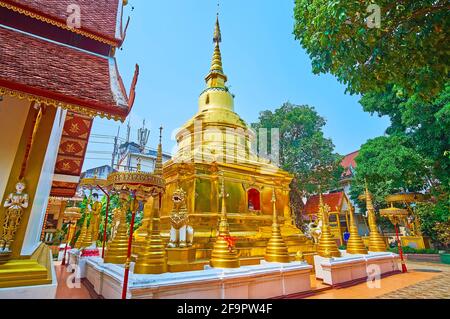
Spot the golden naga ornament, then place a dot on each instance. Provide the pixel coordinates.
(355, 244)
(376, 241)
(277, 250)
(224, 254)
(327, 246)
(181, 233)
(15, 205)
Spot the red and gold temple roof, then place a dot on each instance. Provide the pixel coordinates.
(100, 20)
(59, 75)
(349, 162)
(333, 200)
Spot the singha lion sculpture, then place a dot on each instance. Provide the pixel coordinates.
(181, 233)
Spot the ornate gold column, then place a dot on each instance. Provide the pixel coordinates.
(276, 250)
(355, 244)
(376, 241)
(224, 254)
(327, 246)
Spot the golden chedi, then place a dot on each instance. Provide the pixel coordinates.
(224, 254)
(151, 257)
(117, 249)
(217, 139)
(88, 239)
(276, 250)
(376, 241)
(151, 253)
(327, 246)
(355, 244)
(83, 232)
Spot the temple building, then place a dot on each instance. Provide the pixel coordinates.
(216, 144)
(55, 77)
(339, 206)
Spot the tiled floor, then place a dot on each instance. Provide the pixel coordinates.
(423, 280)
(65, 289)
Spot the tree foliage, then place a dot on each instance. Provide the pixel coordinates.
(425, 124)
(390, 165)
(410, 48)
(304, 151)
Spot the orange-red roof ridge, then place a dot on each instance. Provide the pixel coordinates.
(100, 19)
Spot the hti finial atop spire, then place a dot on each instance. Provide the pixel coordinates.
(217, 34)
(158, 163)
(216, 76)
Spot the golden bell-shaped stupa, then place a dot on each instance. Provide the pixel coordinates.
(151, 256)
(355, 244)
(223, 254)
(276, 250)
(83, 234)
(117, 250)
(376, 241)
(327, 246)
(88, 239)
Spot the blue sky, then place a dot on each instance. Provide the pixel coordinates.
(266, 66)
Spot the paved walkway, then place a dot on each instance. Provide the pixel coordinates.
(423, 280)
(64, 291)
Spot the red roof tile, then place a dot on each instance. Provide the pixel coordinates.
(64, 74)
(333, 200)
(347, 161)
(101, 18)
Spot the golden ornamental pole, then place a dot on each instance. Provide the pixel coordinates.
(224, 254)
(276, 250)
(327, 246)
(355, 244)
(376, 241)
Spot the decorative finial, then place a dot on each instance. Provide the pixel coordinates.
(158, 164)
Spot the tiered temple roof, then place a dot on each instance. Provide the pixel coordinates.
(333, 200)
(45, 60)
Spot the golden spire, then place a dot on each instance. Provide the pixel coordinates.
(224, 255)
(216, 77)
(327, 246)
(276, 250)
(376, 241)
(158, 164)
(355, 244)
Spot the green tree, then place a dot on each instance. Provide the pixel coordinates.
(390, 164)
(425, 124)
(410, 47)
(304, 151)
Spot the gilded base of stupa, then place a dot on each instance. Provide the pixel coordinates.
(151, 258)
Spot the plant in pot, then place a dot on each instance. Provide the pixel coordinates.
(443, 235)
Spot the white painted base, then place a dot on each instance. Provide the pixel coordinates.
(341, 270)
(387, 261)
(266, 280)
(318, 265)
(75, 259)
(33, 292)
